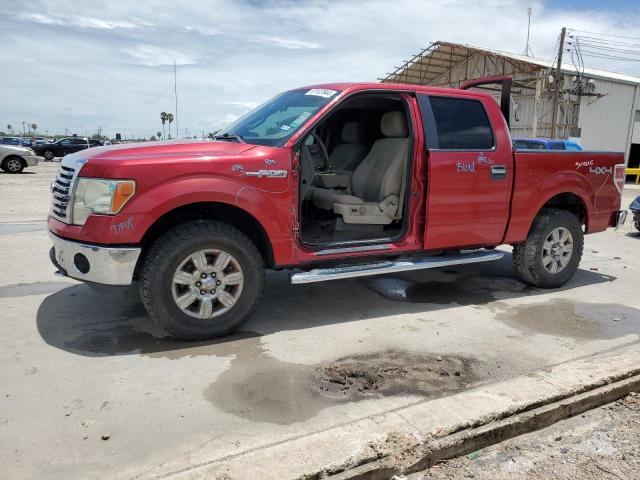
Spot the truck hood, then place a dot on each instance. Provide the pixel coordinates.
(168, 149)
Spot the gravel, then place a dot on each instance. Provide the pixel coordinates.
(601, 444)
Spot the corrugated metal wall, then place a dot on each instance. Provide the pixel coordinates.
(605, 121)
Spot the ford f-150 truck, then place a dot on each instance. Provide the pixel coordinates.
(331, 181)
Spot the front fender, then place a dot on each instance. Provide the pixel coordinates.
(184, 191)
(271, 208)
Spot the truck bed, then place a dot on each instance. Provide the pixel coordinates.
(541, 175)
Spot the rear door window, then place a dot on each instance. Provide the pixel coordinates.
(461, 124)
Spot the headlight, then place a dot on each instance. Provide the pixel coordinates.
(99, 195)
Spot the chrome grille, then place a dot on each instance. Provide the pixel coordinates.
(63, 186)
(61, 190)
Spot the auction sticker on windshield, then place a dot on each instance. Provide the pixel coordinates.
(321, 92)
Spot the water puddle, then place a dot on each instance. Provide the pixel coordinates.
(568, 318)
(462, 290)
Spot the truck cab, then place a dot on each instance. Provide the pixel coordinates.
(330, 181)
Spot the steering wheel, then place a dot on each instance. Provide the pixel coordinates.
(324, 150)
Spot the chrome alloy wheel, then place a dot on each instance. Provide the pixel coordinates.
(557, 250)
(207, 283)
(13, 165)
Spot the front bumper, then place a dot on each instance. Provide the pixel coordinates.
(620, 219)
(94, 263)
(32, 160)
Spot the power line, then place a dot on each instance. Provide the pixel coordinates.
(605, 41)
(603, 46)
(608, 49)
(593, 53)
(605, 34)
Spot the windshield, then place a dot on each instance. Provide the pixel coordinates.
(273, 122)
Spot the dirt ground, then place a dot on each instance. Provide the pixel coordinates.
(601, 444)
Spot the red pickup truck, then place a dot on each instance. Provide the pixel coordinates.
(331, 181)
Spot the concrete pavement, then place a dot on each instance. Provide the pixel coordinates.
(80, 363)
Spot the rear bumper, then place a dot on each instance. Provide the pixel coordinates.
(94, 263)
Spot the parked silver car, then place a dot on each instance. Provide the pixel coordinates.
(14, 159)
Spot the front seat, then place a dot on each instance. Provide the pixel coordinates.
(377, 183)
(349, 154)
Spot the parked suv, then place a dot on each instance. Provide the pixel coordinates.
(65, 146)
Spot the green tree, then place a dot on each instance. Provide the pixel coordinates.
(170, 119)
(163, 119)
(34, 127)
(10, 128)
(159, 135)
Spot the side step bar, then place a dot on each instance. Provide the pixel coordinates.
(383, 267)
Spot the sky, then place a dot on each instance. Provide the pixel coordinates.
(109, 64)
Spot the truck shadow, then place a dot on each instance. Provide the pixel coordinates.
(108, 321)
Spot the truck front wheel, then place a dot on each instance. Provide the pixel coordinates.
(201, 280)
(550, 255)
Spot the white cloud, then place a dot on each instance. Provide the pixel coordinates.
(247, 105)
(234, 54)
(155, 56)
(289, 43)
(79, 21)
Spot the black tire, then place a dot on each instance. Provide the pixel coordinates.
(167, 253)
(13, 164)
(528, 256)
(48, 155)
(636, 221)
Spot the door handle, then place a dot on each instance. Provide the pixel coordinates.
(498, 172)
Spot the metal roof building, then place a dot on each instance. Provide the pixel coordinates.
(599, 109)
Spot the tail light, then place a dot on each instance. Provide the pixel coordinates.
(619, 176)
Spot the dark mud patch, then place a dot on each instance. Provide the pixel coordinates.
(261, 388)
(468, 290)
(568, 318)
(34, 288)
(394, 373)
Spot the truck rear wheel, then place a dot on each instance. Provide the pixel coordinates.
(550, 255)
(201, 280)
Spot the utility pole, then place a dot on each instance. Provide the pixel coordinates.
(556, 93)
(175, 91)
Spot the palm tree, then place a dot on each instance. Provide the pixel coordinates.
(170, 119)
(34, 127)
(159, 135)
(10, 128)
(163, 119)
